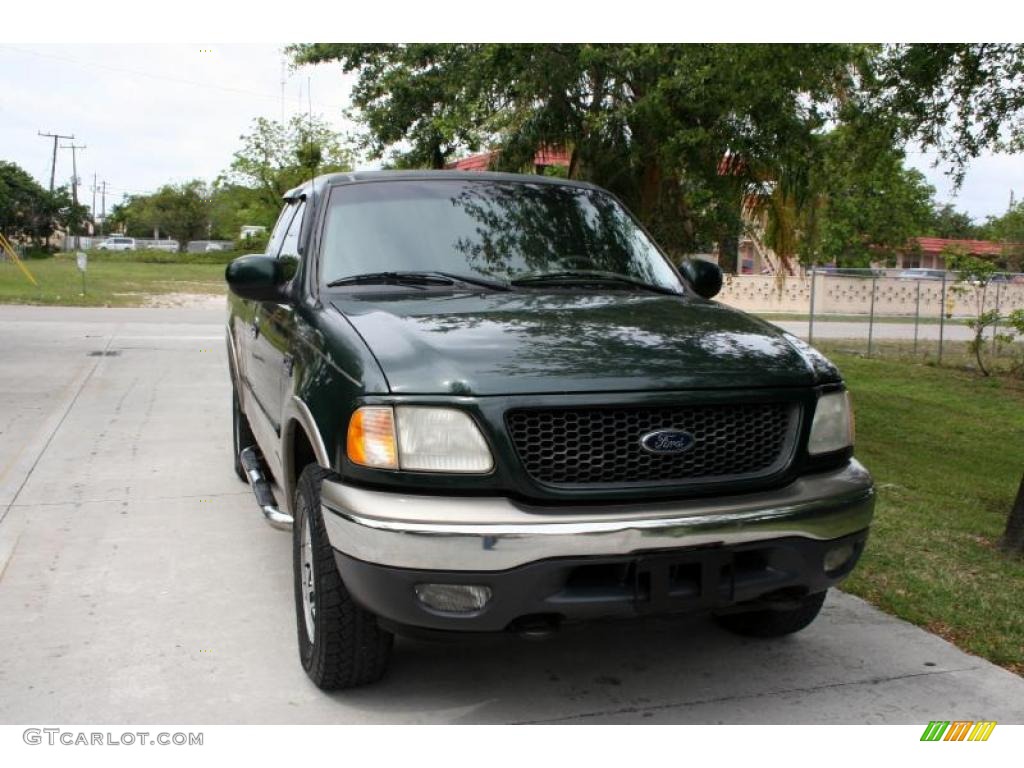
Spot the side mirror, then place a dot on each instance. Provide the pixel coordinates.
(257, 277)
(704, 277)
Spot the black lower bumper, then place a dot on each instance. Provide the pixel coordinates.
(712, 578)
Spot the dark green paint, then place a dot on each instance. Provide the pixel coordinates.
(336, 349)
(258, 277)
(535, 341)
(703, 276)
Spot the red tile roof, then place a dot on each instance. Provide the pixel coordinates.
(552, 156)
(482, 161)
(936, 245)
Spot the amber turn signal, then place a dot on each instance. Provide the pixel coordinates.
(371, 438)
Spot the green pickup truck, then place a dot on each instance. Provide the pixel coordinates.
(489, 403)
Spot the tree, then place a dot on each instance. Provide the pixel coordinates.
(129, 217)
(23, 204)
(652, 123)
(975, 274)
(948, 222)
(1013, 536)
(180, 210)
(872, 205)
(955, 98)
(276, 157)
(431, 97)
(30, 212)
(233, 206)
(1008, 229)
(857, 204)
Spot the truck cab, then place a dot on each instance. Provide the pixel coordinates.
(489, 402)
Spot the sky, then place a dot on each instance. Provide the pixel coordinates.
(151, 114)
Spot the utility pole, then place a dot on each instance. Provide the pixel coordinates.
(92, 208)
(103, 219)
(74, 185)
(282, 90)
(53, 165)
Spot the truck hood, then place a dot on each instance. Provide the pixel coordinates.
(563, 341)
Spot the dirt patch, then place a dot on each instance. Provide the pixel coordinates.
(187, 300)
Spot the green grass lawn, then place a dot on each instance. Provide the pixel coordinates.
(946, 448)
(1006, 359)
(109, 282)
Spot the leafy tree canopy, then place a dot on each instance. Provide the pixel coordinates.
(948, 222)
(30, 212)
(958, 99)
(871, 204)
(275, 157)
(686, 133)
(650, 122)
(179, 211)
(1009, 230)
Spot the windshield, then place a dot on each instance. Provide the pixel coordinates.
(504, 231)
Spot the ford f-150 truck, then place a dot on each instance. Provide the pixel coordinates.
(488, 402)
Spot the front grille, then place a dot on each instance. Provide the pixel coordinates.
(594, 445)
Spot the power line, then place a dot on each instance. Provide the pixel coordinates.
(154, 76)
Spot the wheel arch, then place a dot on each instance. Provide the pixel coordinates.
(302, 444)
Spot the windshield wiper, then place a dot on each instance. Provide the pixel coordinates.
(584, 278)
(418, 279)
(483, 282)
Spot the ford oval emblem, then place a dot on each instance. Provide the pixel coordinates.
(667, 441)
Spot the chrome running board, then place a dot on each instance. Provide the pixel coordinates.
(261, 488)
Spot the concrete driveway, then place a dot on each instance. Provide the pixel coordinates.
(139, 584)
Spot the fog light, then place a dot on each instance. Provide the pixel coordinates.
(453, 598)
(838, 558)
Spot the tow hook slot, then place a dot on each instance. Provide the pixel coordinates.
(261, 488)
(538, 626)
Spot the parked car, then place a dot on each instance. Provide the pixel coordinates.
(918, 273)
(489, 403)
(117, 243)
(251, 230)
(207, 246)
(170, 246)
(862, 272)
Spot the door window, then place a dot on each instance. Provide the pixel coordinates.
(280, 230)
(290, 242)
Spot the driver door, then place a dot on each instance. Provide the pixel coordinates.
(268, 362)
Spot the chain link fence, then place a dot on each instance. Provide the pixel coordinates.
(925, 314)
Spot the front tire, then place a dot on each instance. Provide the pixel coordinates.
(774, 622)
(340, 644)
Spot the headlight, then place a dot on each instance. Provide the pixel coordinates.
(832, 428)
(417, 438)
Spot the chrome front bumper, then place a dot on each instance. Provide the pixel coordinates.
(493, 533)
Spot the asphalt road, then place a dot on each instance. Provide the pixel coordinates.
(139, 584)
(832, 329)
